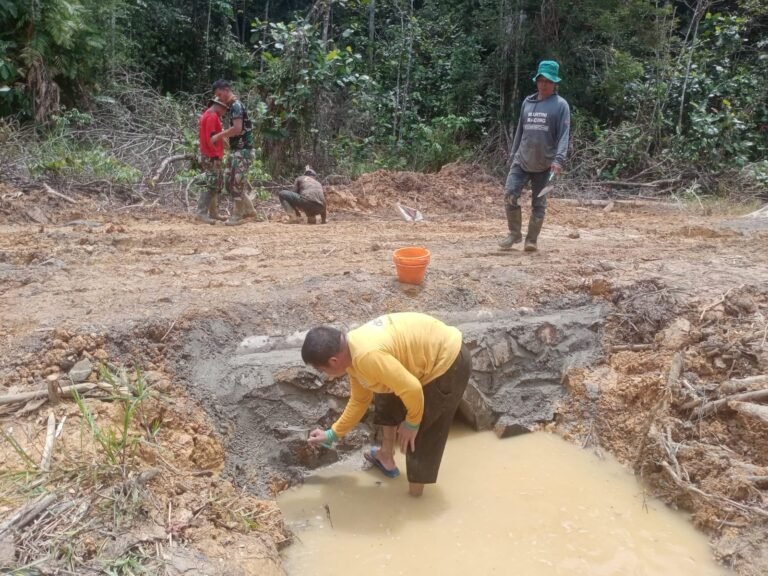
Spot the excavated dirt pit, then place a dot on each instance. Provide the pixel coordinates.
(264, 400)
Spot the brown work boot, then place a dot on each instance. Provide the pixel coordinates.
(248, 210)
(514, 222)
(534, 228)
(202, 208)
(237, 214)
(213, 209)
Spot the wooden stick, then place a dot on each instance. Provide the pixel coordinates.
(65, 391)
(168, 160)
(631, 347)
(28, 513)
(53, 192)
(711, 407)
(691, 488)
(603, 203)
(622, 184)
(50, 437)
(760, 213)
(738, 384)
(718, 301)
(675, 371)
(748, 409)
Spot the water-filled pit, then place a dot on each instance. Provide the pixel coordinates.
(532, 505)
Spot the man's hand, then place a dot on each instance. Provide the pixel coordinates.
(556, 168)
(324, 438)
(215, 138)
(406, 438)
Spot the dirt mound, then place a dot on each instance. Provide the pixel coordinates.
(456, 188)
(684, 411)
(643, 308)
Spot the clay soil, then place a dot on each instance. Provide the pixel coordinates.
(120, 286)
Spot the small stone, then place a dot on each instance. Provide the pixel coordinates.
(152, 376)
(509, 429)
(80, 371)
(574, 235)
(600, 287)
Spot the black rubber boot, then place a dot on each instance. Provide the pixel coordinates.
(514, 221)
(534, 228)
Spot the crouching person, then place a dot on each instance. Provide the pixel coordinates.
(307, 196)
(414, 369)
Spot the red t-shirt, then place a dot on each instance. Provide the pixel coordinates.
(210, 124)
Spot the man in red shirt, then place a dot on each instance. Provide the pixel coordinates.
(211, 156)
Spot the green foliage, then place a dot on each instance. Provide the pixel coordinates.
(355, 84)
(60, 155)
(116, 444)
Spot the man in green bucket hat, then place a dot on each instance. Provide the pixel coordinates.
(538, 153)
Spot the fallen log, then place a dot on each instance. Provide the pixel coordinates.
(751, 410)
(715, 405)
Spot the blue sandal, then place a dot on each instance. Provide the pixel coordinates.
(371, 457)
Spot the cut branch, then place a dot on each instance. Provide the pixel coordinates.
(169, 160)
(53, 192)
(28, 513)
(65, 391)
(50, 437)
(737, 385)
(711, 407)
(756, 411)
(624, 184)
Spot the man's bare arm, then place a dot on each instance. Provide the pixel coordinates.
(235, 130)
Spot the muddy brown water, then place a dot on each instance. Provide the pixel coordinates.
(531, 505)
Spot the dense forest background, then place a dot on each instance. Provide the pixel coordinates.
(660, 91)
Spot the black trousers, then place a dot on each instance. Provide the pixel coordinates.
(441, 401)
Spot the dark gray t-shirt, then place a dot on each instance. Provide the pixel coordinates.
(542, 133)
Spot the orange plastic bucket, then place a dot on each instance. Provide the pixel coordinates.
(411, 264)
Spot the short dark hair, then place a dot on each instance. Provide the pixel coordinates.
(221, 85)
(320, 345)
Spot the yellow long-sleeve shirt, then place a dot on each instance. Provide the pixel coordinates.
(397, 353)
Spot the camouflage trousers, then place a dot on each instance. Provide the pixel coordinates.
(214, 176)
(238, 164)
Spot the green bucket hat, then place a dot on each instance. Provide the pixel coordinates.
(550, 70)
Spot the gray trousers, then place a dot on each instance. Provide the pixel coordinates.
(296, 202)
(513, 188)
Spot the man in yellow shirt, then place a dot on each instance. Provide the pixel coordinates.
(414, 368)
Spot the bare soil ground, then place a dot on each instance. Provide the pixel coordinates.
(120, 286)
